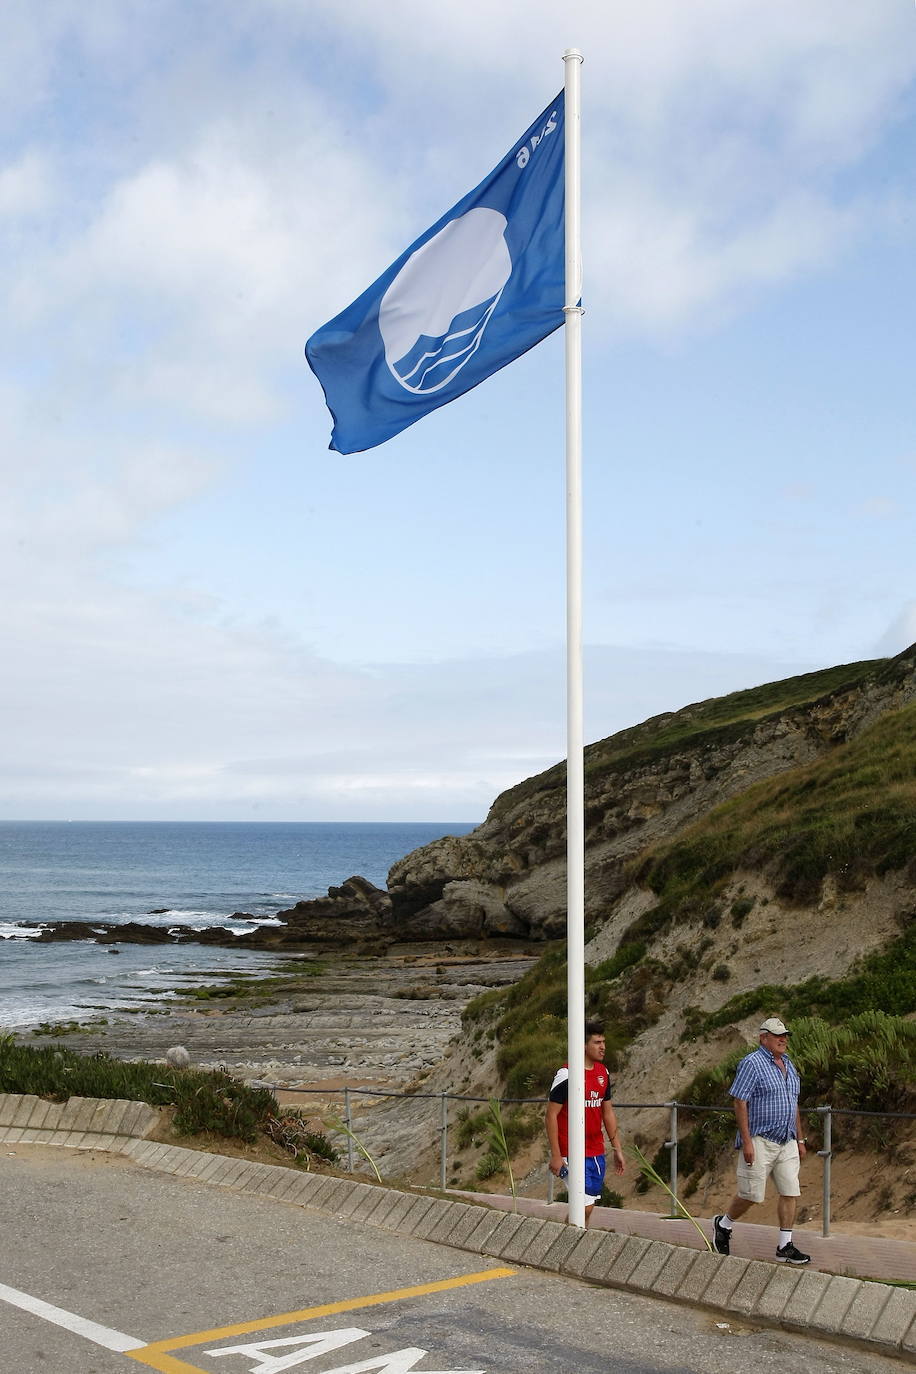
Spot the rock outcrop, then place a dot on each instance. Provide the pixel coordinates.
(354, 912)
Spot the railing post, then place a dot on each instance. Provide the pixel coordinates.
(443, 1141)
(671, 1147)
(826, 1155)
(348, 1118)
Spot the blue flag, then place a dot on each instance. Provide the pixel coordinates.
(478, 289)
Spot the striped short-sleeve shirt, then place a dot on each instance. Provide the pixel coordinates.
(597, 1092)
(770, 1094)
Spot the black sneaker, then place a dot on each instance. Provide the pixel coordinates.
(790, 1254)
(721, 1236)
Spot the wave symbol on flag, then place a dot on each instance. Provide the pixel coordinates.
(433, 316)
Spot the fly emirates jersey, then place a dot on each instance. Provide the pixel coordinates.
(597, 1091)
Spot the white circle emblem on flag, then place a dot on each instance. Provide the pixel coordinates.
(433, 316)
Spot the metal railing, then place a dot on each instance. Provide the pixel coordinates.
(826, 1113)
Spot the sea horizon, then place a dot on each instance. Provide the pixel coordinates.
(181, 875)
(189, 820)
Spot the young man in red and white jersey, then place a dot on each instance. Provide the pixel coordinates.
(600, 1117)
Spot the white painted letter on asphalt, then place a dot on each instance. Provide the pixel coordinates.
(320, 1343)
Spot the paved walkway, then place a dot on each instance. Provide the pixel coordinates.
(859, 1256)
(866, 1257)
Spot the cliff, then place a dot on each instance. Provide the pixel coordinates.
(643, 787)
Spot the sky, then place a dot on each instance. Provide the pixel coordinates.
(205, 614)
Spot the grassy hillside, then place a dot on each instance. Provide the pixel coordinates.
(849, 815)
(716, 720)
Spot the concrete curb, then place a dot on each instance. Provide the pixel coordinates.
(874, 1315)
(81, 1122)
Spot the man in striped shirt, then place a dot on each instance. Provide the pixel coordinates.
(765, 1096)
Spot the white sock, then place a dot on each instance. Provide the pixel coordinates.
(785, 1238)
(726, 1222)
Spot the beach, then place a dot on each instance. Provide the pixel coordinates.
(379, 1021)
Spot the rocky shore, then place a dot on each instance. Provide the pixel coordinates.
(381, 1020)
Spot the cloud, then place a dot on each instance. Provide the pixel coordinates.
(901, 632)
(715, 134)
(193, 280)
(881, 508)
(205, 215)
(190, 191)
(654, 265)
(128, 708)
(25, 187)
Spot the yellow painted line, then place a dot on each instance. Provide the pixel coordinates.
(166, 1364)
(157, 1355)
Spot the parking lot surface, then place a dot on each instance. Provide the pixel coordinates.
(107, 1266)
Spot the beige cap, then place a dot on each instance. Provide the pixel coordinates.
(775, 1026)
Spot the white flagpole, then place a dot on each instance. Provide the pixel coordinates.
(575, 778)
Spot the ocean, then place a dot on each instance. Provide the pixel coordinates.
(191, 874)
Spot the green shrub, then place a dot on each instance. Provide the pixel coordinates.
(626, 956)
(528, 1061)
(741, 908)
(521, 1125)
(489, 1164)
(482, 1005)
(531, 1029)
(471, 1128)
(205, 1100)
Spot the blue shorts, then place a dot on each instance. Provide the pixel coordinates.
(595, 1166)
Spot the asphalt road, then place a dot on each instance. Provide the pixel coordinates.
(189, 1277)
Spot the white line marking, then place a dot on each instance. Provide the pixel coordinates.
(100, 1335)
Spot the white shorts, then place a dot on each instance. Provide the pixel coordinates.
(779, 1161)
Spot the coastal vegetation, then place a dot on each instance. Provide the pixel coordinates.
(205, 1101)
(528, 1019)
(846, 819)
(850, 814)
